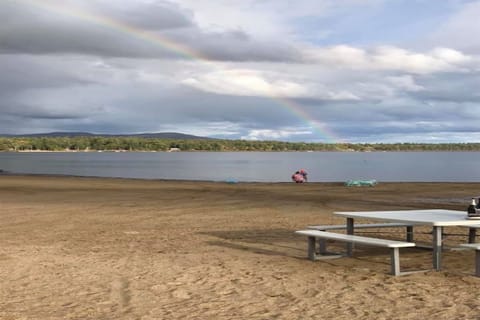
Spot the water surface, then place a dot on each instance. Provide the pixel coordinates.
(252, 166)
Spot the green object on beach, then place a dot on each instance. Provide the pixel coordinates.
(231, 181)
(360, 183)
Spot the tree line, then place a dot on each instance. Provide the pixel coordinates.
(98, 143)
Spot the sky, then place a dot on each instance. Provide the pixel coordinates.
(330, 71)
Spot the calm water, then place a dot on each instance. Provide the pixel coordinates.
(253, 166)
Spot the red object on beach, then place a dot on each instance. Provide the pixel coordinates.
(300, 176)
(297, 178)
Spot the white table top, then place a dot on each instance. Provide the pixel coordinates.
(433, 217)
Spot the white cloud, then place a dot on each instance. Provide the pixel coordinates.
(245, 82)
(249, 82)
(391, 58)
(220, 128)
(405, 82)
(421, 137)
(451, 56)
(267, 134)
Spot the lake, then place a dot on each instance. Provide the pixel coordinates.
(252, 166)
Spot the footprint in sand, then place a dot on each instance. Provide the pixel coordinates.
(120, 292)
(181, 294)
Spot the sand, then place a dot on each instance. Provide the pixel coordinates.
(88, 248)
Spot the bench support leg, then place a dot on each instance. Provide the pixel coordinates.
(477, 263)
(322, 246)
(410, 234)
(472, 233)
(395, 261)
(349, 231)
(311, 249)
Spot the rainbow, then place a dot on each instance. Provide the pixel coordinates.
(321, 128)
(177, 48)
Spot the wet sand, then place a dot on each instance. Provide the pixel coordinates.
(88, 248)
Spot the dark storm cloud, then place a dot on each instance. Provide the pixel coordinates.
(33, 112)
(450, 87)
(116, 31)
(21, 73)
(235, 45)
(34, 30)
(21, 118)
(185, 105)
(124, 108)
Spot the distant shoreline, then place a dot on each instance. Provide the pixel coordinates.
(156, 144)
(225, 151)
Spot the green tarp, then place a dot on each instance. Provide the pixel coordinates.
(360, 183)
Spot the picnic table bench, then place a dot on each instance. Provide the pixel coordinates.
(393, 245)
(409, 227)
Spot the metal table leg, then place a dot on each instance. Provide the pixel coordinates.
(349, 231)
(410, 234)
(437, 248)
(472, 233)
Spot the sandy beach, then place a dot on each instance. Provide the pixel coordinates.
(92, 248)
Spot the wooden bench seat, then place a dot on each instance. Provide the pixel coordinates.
(391, 244)
(476, 247)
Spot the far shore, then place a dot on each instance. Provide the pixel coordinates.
(168, 151)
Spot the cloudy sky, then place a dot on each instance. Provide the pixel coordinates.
(304, 70)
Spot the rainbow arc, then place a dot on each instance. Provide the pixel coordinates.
(177, 48)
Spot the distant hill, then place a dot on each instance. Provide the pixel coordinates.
(158, 135)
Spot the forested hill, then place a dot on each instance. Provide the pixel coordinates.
(148, 142)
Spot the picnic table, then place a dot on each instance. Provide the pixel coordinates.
(436, 218)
